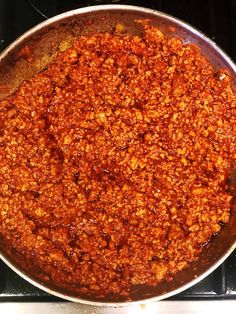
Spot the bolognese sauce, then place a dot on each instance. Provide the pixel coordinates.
(114, 161)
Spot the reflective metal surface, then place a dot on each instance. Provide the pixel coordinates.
(62, 29)
(170, 307)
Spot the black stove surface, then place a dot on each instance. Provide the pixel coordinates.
(217, 19)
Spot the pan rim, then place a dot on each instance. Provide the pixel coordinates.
(118, 304)
(189, 28)
(117, 7)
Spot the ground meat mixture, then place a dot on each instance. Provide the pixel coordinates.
(114, 161)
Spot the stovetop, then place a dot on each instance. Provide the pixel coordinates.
(217, 19)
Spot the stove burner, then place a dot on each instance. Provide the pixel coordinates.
(52, 7)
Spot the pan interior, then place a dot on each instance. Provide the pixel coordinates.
(57, 34)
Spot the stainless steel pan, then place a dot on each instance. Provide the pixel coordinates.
(56, 33)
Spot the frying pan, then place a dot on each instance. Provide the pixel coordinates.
(41, 43)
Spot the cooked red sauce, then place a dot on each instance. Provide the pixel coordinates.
(114, 161)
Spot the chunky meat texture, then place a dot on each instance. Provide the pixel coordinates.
(114, 161)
